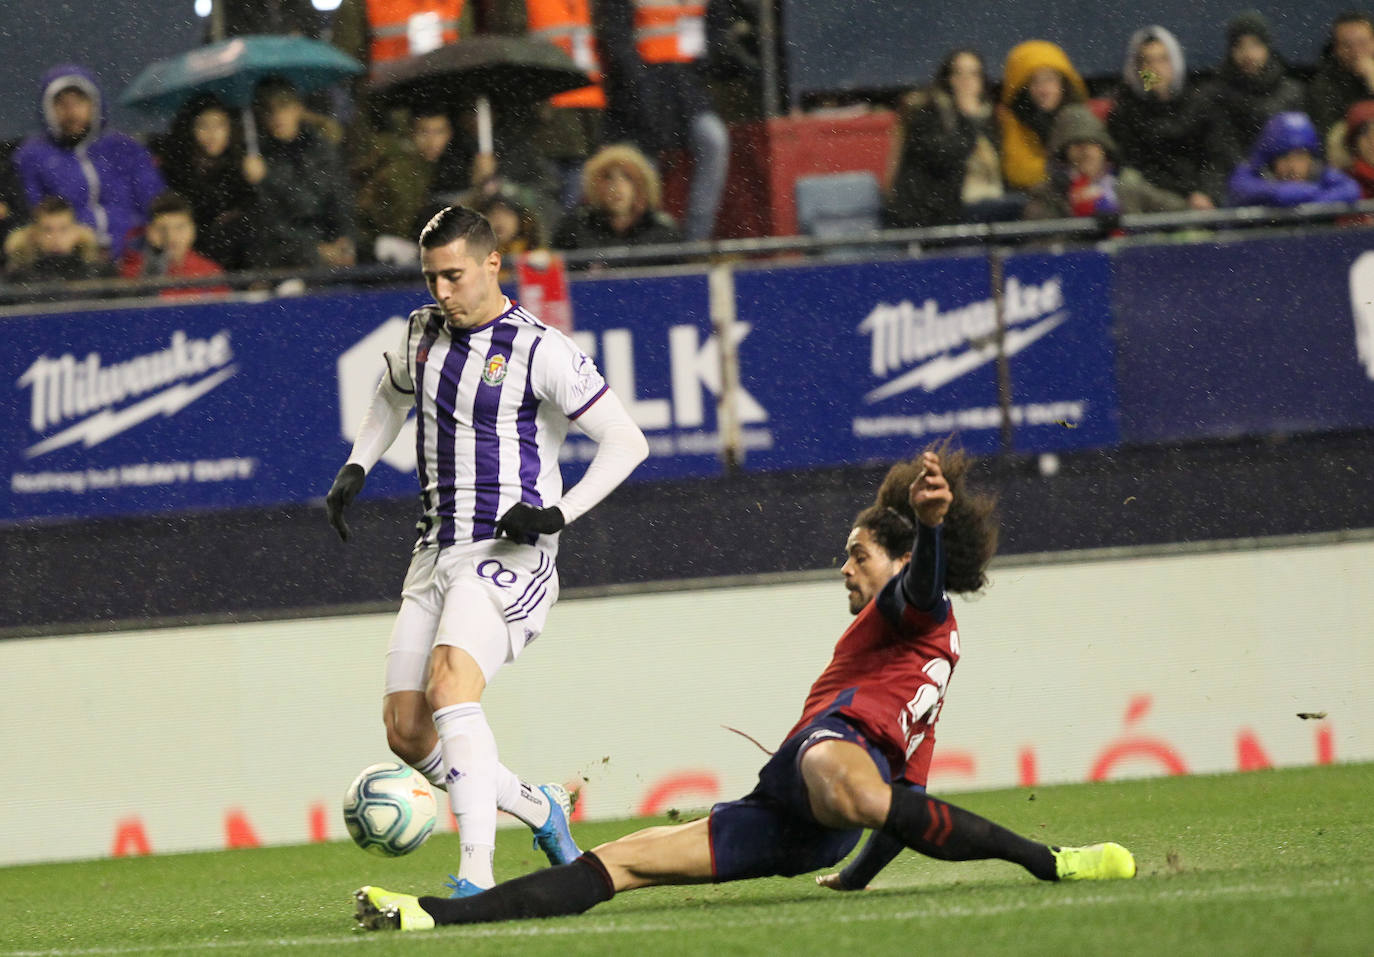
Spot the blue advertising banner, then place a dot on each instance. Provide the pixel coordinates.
(870, 361)
(652, 340)
(1273, 335)
(192, 406)
(221, 405)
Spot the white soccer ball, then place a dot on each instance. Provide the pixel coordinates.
(389, 809)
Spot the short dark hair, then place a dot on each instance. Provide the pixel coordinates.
(429, 108)
(274, 89)
(51, 205)
(169, 202)
(459, 222)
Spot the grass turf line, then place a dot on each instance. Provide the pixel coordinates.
(1273, 862)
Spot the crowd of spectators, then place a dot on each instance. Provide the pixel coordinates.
(329, 181)
(1248, 132)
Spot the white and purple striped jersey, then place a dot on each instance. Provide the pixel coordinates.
(493, 405)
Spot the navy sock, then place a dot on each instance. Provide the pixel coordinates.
(941, 830)
(552, 892)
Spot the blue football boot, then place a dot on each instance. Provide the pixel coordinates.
(554, 838)
(462, 887)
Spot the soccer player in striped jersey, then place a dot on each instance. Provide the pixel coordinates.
(494, 391)
(858, 757)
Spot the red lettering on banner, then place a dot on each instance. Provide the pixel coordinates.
(1326, 745)
(661, 795)
(577, 794)
(1250, 755)
(237, 831)
(130, 838)
(1028, 773)
(1126, 749)
(319, 824)
(1138, 708)
(954, 762)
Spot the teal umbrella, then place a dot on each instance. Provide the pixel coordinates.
(231, 71)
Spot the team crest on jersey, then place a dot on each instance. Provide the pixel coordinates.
(495, 372)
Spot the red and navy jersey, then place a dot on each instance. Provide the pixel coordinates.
(888, 677)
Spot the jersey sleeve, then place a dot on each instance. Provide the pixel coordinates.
(565, 375)
(915, 597)
(398, 368)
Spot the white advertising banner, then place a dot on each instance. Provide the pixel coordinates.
(229, 735)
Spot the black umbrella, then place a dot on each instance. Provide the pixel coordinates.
(480, 69)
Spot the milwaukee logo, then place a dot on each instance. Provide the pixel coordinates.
(68, 388)
(946, 345)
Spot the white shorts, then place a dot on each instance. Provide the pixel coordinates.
(488, 598)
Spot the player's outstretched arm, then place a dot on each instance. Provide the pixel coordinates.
(930, 494)
(380, 425)
(620, 447)
(347, 484)
(858, 873)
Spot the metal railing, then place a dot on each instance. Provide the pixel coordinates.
(265, 284)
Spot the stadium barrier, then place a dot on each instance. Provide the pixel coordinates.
(246, 734)
(146, 407)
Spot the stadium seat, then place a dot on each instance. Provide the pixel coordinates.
(838, 204)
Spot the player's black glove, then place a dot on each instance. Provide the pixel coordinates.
(522, 521)
(347, 484)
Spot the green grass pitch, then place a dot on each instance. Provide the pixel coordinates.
(1269, 862)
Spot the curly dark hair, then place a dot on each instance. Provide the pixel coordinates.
(970, 526)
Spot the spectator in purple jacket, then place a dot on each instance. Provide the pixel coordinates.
(107, 177)
(1286, 169)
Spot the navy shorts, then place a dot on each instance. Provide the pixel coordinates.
(770, 832)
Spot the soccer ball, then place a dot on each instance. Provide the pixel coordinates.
(389, 809)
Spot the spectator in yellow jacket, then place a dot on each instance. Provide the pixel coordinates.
(1037, 80)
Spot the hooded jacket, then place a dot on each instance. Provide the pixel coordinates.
(1253, 183)
(1123, 189)
(107, 177)
(1241, 104)
(1169, 139)
(1023, 151)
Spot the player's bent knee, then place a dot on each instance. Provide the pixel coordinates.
(409, 726)
(853, 800)
(870, 805)
(624, 864)
(454, 677)
(409, 743)
(844, 790)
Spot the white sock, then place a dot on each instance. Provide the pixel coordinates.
(525, 801)
(470, 753)
(513, 795)
(434, 768)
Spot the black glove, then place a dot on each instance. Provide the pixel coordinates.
(523, 521)
(347, 484)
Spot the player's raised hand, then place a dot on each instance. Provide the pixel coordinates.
(347, 484)
(930, 494)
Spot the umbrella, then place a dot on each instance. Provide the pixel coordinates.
(510, 69)
(232, 69)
